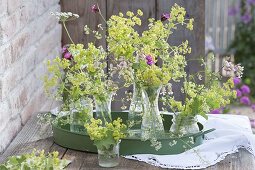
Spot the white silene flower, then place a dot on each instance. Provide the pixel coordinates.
(122, 65)
(163, 90)
(238, 70)
(65, 16)
(169, 89)
(200, 77)
(228, 67)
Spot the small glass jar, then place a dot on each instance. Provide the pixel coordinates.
(109, 157)
(184, 125)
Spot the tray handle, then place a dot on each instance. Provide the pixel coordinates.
(203, 132)
(208, 131)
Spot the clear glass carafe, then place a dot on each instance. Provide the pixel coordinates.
(152, 123)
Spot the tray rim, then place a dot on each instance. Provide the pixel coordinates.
(201, 132)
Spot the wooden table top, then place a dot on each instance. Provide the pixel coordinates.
(39, 137)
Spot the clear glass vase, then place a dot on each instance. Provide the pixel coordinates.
(103, 108)
(108, 157)
(80, 112)
(136, 108)
(152, 124)
(183, 125)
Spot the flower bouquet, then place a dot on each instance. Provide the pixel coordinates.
(149, 63)
(107, 139)
(80, 76)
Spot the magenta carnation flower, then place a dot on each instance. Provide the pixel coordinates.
(245, 89)
(65, 48)
(237, 80)
(165, 16)
(245, 100)
(149, 60)
(68, 56)
(94, 8)
(238, 93)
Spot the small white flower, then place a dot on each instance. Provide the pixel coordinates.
(122, 64)
(228, 67)
(65, 16)
(76, 15)
(163, 90)
(238, 70)
(199, 76)
(174, 142)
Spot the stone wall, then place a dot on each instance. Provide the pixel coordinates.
(28, 36)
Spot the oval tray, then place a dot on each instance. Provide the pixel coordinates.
(128, 146)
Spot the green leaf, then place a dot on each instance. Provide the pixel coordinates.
(14, 161)
(136, 66)
(34, 160)
(3, 167)
(105, 144)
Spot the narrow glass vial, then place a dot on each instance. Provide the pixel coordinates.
(80, 113)
(103, 108)
(136, 108)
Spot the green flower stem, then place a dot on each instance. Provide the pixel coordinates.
(64, 24)
(101, 14)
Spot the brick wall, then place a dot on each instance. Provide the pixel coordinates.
(28, 36)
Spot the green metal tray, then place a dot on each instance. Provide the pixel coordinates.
(128, 146)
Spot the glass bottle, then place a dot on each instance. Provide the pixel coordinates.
(136, 108)
(103, 107)
(152, 124)
(80, 112)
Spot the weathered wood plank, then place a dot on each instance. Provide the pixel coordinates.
(83, 160)
(149, 11)
(61, 150)
(148, 7)
(28, 137)
(76, 28)
(28, 147)
(25, 143)
(242, 160)
(76, 157)
(196, 38)
(219, 25)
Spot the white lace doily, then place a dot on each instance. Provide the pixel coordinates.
(232, 132)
